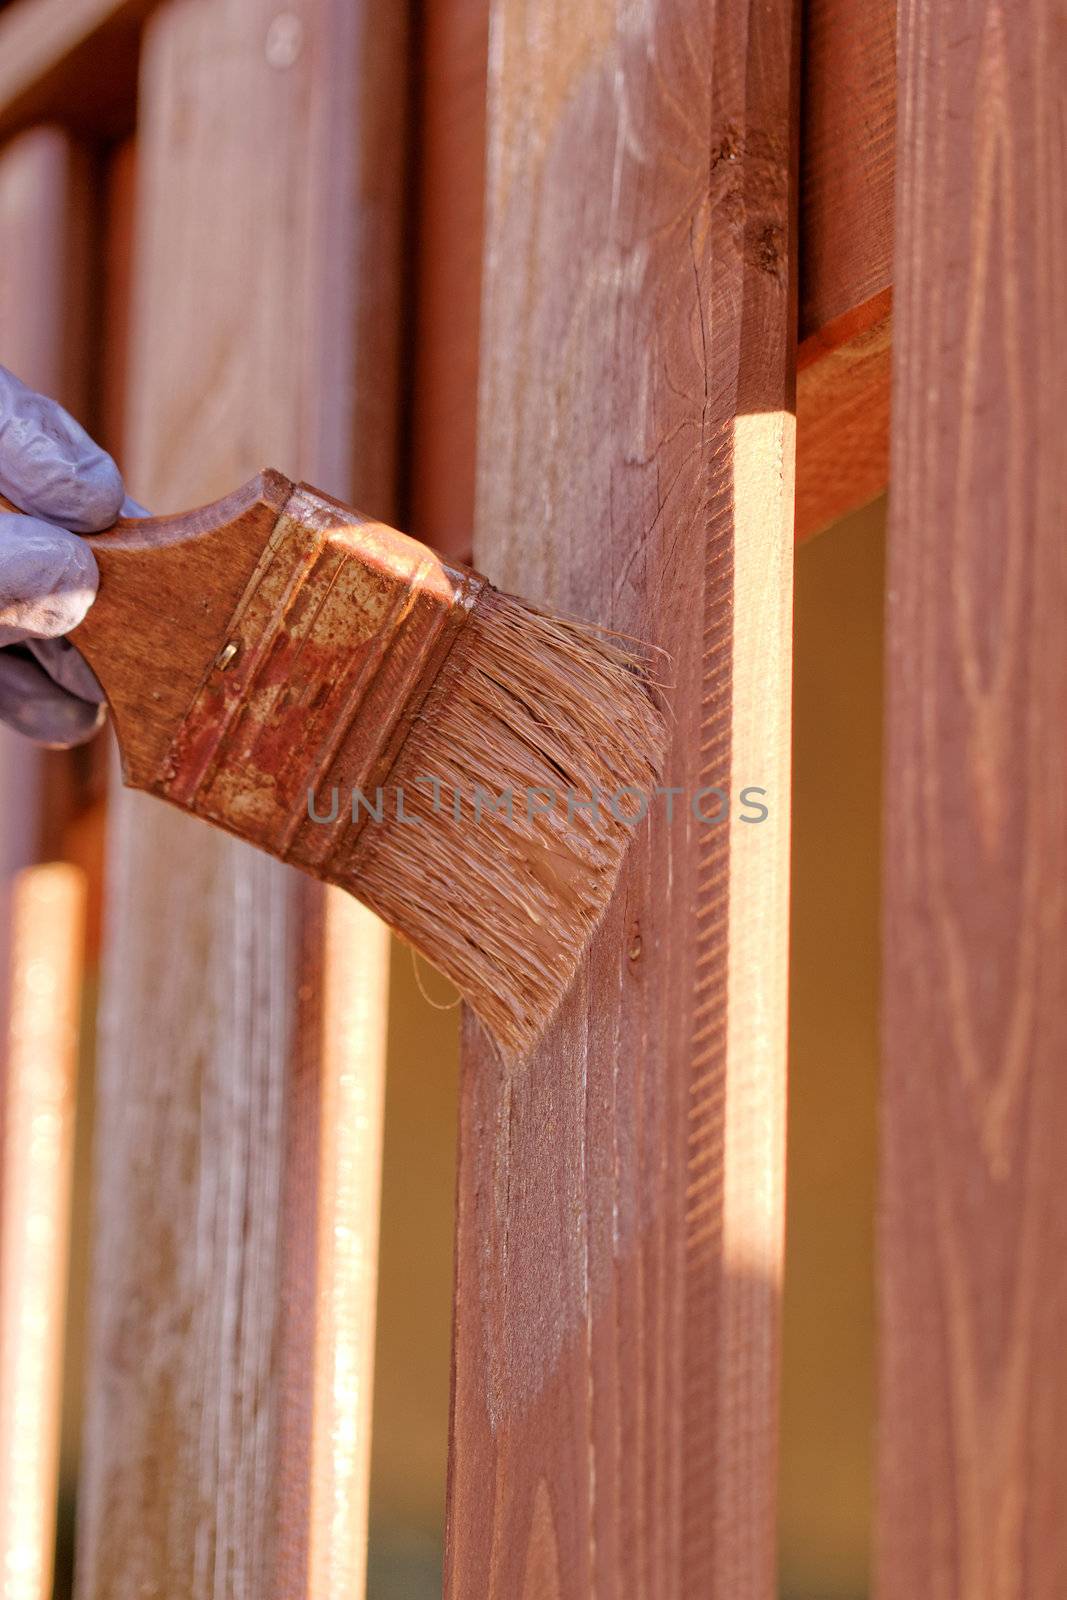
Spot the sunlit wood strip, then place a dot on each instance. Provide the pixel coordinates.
(48, 915)
(350, 1150)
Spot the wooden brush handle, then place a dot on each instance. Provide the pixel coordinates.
(273, 643)
(168, 586)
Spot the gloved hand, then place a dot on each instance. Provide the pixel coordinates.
(48, 576)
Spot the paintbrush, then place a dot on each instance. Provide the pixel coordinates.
(336, 693)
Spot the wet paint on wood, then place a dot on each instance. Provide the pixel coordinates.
(620, 1193)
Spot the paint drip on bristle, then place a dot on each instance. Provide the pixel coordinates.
(505, 905)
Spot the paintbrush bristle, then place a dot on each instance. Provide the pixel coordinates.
(503, 894)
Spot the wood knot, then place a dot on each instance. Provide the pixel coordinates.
(768, 252)
(729, 147)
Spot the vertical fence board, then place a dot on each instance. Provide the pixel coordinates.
(620, 1193)
(239, 1085)
(43, 277)
(973, 1278)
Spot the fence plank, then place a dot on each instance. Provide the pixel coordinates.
(43, 278)
(973, 1400)
(619, 1226)
(237, 1133)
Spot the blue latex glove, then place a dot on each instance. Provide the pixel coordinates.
(48, 576)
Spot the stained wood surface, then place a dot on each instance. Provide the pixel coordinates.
(36, 1164)
(241, 1053)
(69, 59)
(843, 382)
(847, 144)
(845, 241)
(848, 135)
(450, 156)
(973, 1281)
(619, 1223)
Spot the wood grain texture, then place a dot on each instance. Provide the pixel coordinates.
(619, 1223)
(845, 234)
(973, 1398)
(843, 386)
(845, 242)
(226, 1443)
(71, 60)
(848, 135)
(36, 1164)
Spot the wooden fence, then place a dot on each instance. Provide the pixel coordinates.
(640, 294)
